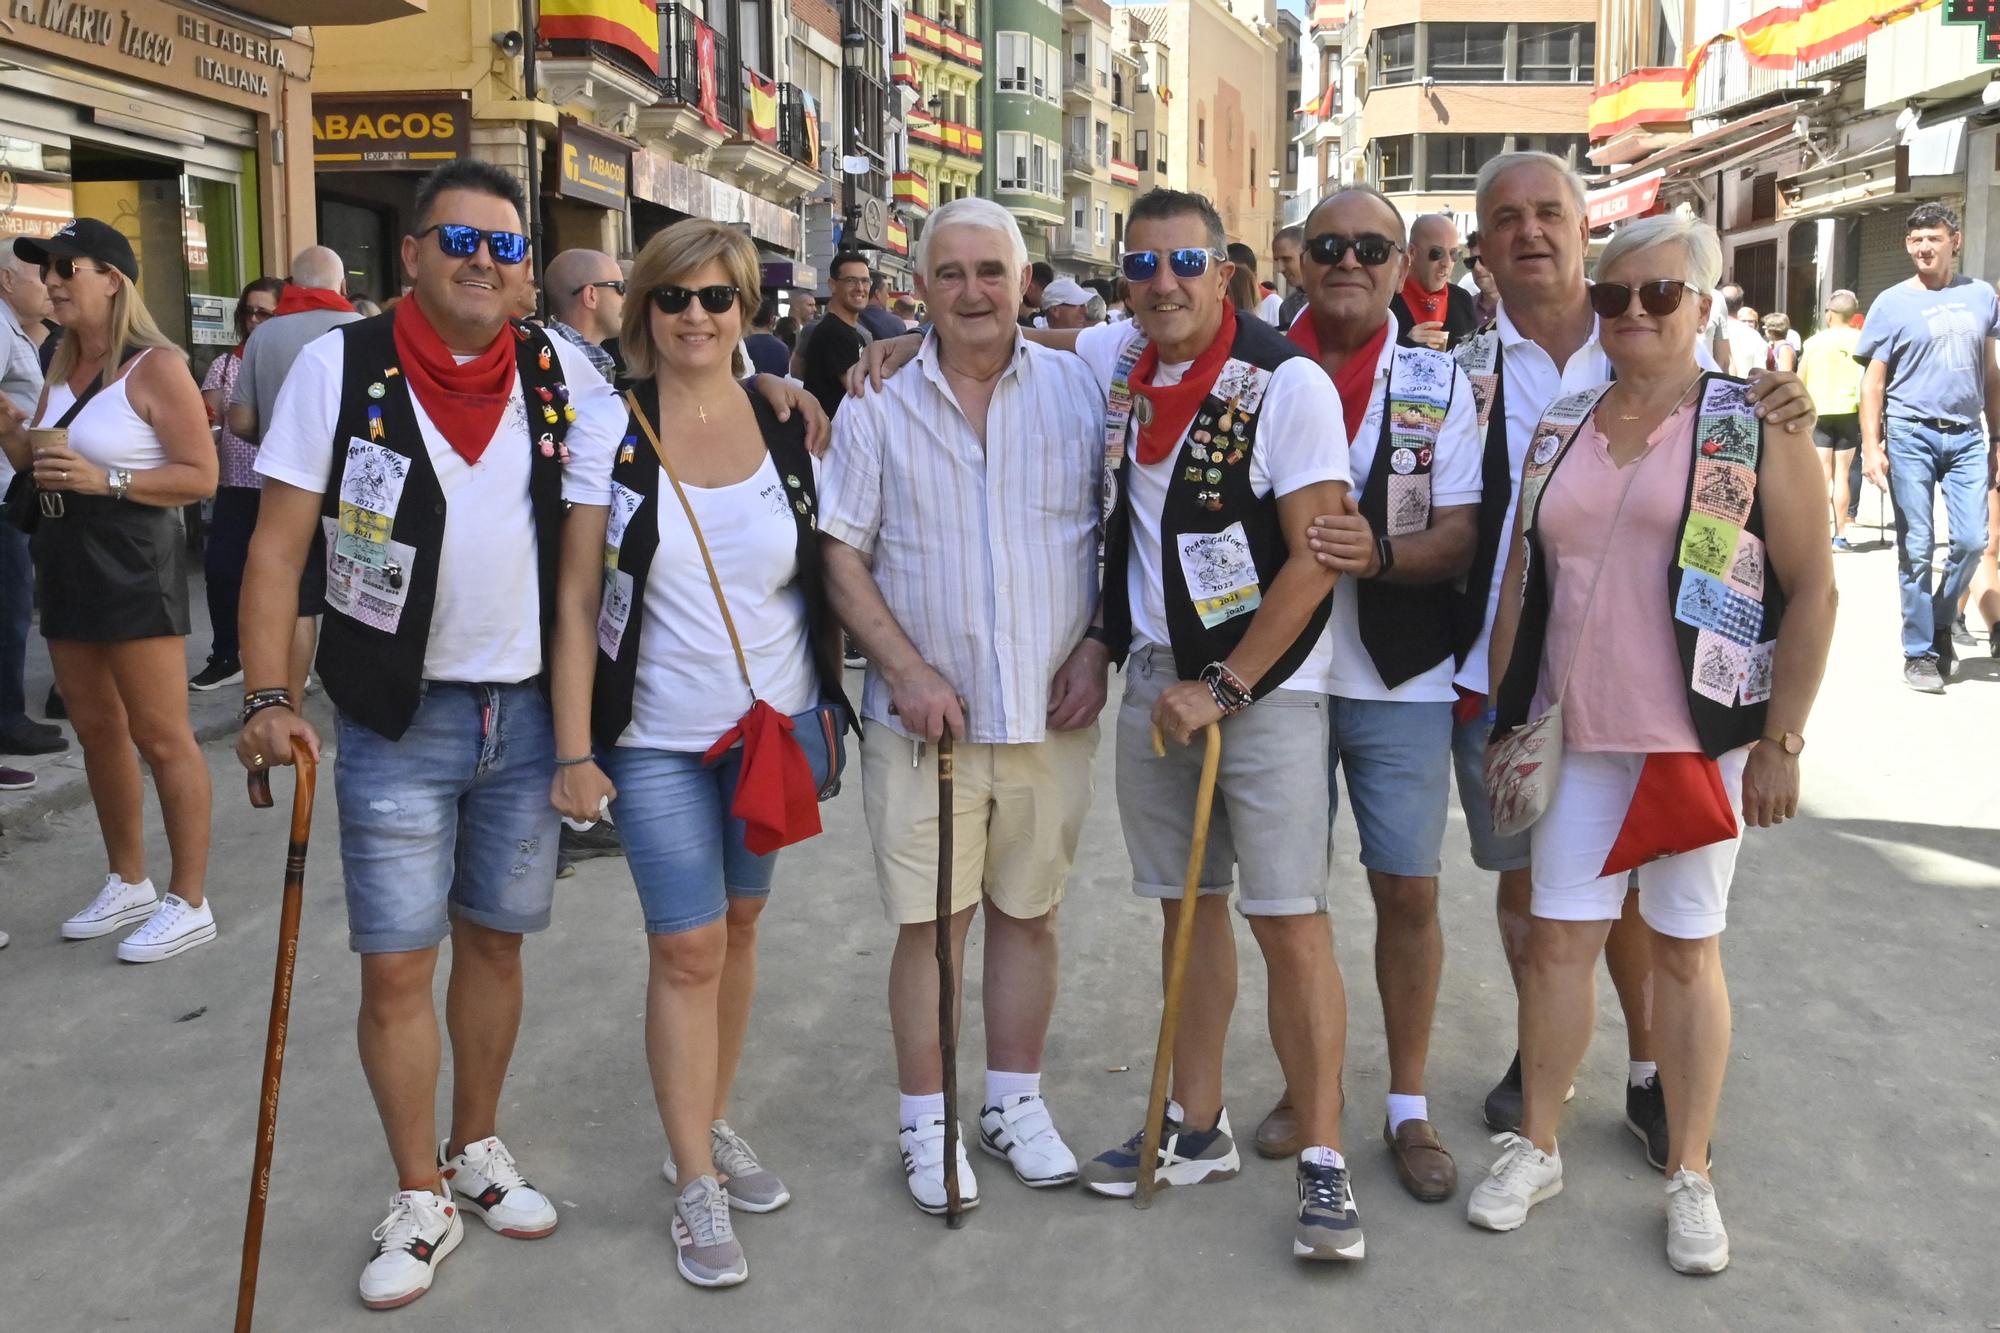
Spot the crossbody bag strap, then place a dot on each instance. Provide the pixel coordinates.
(708, 562)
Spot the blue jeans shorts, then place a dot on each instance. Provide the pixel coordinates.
(1490, 850)
(452, 820)
(1398, 762)
(684, 847)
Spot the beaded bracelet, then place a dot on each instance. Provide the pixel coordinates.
(1228, 705)
(572, 763)
(256, 701)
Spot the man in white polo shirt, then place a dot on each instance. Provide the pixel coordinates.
(959, 510)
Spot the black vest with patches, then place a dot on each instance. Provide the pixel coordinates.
(638, 470)
(374, 675)
(1219, 443)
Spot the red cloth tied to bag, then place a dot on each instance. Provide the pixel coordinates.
(776, 797)
(1679, 805)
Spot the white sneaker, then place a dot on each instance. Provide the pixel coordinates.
(420, 1230)
(1522, 1177)
(173, 929)
(4, 941)
(1020, 1130)
(923, 1164)
(116, 904)
(492, 1188)
(1696, 1241)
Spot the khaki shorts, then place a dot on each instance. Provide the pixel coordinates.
(1018, 814)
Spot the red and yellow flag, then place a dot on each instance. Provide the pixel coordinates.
(633, 25)
(763, 108)
(1328, 100)
(1783, 37)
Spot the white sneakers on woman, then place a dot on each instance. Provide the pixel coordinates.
(1696, 1240)
(116, 904)
(171, 926)
(420, 1230)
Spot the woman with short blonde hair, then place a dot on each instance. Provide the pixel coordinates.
(119, 443)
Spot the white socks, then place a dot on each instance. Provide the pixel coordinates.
(1322, 1157)
(1638, 1071)
(914, 1109)
(1404, 1107)
(1001, 1084)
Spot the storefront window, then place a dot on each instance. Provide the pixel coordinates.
(212, 229)
(35, 196)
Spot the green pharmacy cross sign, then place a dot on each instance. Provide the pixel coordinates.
(1986, 13)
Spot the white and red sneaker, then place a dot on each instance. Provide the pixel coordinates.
(420, 1230)
(491, 1187)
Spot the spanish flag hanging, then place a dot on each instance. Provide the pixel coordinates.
(632, 25)
(763, 108)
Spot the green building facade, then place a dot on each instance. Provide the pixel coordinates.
(1023, 93)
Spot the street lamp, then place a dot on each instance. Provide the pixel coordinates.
(854, 60)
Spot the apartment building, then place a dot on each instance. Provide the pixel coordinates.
(1025, 113)
(1440, 86)
(944, 64)
(1099, 173)
(1150, 99)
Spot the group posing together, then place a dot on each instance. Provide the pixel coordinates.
(1569, 537)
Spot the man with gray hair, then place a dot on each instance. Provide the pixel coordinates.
(586, 294)
(24, 302)
(1534, 236)
(958, 511)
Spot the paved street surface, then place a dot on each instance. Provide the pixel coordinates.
(1855, 1159)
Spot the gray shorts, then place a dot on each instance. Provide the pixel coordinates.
(1490, 850)
(1270, 817)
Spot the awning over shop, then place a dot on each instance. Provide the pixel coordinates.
(1629, 199)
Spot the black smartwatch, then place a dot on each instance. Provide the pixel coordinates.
(1385, 556)
(1098, 634)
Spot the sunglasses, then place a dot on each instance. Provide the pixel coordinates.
(715, 300)
(614, 284)
(1143, 265)
(1661, 297)
(462, 242)
(253, 315)
(65, 267)
(1371, 250)
(1435, 253)
(1474, 261)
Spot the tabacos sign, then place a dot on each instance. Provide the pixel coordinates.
(591, 167)
(389, 131)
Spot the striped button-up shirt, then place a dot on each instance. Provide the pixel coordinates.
(986, 555)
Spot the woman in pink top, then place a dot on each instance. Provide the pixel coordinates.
(1671, 584)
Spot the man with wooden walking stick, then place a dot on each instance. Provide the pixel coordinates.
(959, 508)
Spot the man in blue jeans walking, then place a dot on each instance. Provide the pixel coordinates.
(1931, 370)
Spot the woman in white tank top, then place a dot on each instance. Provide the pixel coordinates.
(109, 567)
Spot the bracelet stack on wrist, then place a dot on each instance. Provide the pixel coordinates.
(1231, 695)
(256, 701)
(572, 763)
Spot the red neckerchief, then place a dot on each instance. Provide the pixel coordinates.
(1174, 405)
(464, 402)
(1425, 307)
(295, 298)
(1356, 375)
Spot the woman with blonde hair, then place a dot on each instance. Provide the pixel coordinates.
(119, 442)
(1664, 621)
(696, 596)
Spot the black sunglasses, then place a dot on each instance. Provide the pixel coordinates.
(615, 284)
(1660, 297)
(65, 267)
(715, 300)
(462, 242)
(1330, 248)
(1474, 261)
(1143, 265)
(1435, 253)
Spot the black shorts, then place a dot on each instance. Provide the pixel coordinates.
(109, 571)
(1839, 431)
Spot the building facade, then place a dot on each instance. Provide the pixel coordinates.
(1151, 98)
(1439, 86)
(186, 126)
(1099, 173)
(1024, 169)
(944, 63)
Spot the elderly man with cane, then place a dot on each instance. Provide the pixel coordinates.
(959, 511)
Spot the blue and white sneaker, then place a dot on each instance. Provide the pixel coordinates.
(1187, 1157)
(1020, 1132)
(1328, 1226)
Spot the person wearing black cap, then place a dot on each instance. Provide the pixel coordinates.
(117, 442)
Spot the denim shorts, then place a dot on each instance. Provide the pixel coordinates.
(1490, 850)
(684, 847)
(1398, 762)
(452, 820)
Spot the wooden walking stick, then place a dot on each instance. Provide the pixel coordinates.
(281, 1010)
(954, 1207)
(1170, 1015)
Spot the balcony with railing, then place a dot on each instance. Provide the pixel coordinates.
(798, 132)
(1124, 173)
(929, 36)
(946, 135)
(913, 190)
(1080, 161)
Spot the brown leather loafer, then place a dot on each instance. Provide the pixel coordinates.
(1422, 1163)
(1278, 1136)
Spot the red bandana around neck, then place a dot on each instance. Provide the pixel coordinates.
(1425, 307)
(1356, 376)
(1172, 406)
(295, 298)
(465, 402)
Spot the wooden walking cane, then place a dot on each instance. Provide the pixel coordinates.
(954, 1207)
(1170, 1015)
(281, 1010)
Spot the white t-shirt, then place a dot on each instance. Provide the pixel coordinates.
(1294, 449)
(1268, 308)
(1455, 480)
(688, 689)
(485, 624)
